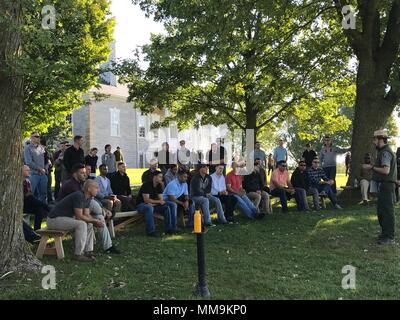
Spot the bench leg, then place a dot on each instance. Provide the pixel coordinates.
(323, 205)
(111, 228)
(59, 247)
(42, 247)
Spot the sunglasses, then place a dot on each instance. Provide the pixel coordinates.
(36, 136)
(302, 165)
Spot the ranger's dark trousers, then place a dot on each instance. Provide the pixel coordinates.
(385, 209)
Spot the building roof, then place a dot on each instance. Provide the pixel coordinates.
(120, 91)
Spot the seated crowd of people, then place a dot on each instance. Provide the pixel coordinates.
(84, 201)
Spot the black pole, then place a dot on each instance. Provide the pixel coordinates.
(201, 287)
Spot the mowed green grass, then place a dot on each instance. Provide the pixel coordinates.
(294, 256)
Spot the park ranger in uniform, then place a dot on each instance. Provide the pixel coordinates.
(384, 172)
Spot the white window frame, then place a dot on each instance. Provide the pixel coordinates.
(115, 119)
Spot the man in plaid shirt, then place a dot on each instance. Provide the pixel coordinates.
(320, 182)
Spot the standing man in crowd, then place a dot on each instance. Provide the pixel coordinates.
(271, 163)
(58, 166)
(34, 158)
(108, 158)
(72, 156)
(365, 178)
(183, 156)
(48, 165)
(328, 159)
(119, 157)
(280, 153)
(347, 162)
(257, 153)
(309, 154)
(165, 158)
(91, 160)
(384, 172)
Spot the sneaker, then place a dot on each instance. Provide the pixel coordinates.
(90, 255)
(113, 250)
(337, 207)
(211, 225)
(386, 241)
(230, 219)
(152, 234)
(82, 258)
(260, 215)
(35, 238)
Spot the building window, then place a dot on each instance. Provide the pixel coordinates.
(155, 133)
(142, 132)
(69, 118)
(115, 122)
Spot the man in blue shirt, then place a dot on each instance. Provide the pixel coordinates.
(176, 194)
(280, 153)
(319, 182)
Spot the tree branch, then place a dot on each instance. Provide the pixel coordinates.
(389, 50)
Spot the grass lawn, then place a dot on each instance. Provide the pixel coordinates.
(294, 256)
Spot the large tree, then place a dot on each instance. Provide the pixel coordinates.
(43, 74)
(376, 44)
(241, 62)
(13, 249)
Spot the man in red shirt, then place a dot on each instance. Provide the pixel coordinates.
(234, 186)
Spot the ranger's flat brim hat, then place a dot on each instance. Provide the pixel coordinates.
(381, 133)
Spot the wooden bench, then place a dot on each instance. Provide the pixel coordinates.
(45, 249)
(133, 216)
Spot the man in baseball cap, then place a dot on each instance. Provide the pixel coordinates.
(384, 172)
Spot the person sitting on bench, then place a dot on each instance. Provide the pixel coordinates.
(148, 174)
(121, 187)
(31, 204)
(281, 186)
(218, 189)
(234, 186)
(105, 195)
(320, 182)
(72, 214)
(177, 193)
(300, 183)
(254, 186)
(150, 200)
(200, 192)
(75, 183)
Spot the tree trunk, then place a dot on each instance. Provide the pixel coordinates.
(15, 255)
(251, 120)
(371, 113)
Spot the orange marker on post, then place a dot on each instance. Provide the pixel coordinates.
(197, 221)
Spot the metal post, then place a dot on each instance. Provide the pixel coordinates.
(201, 287)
